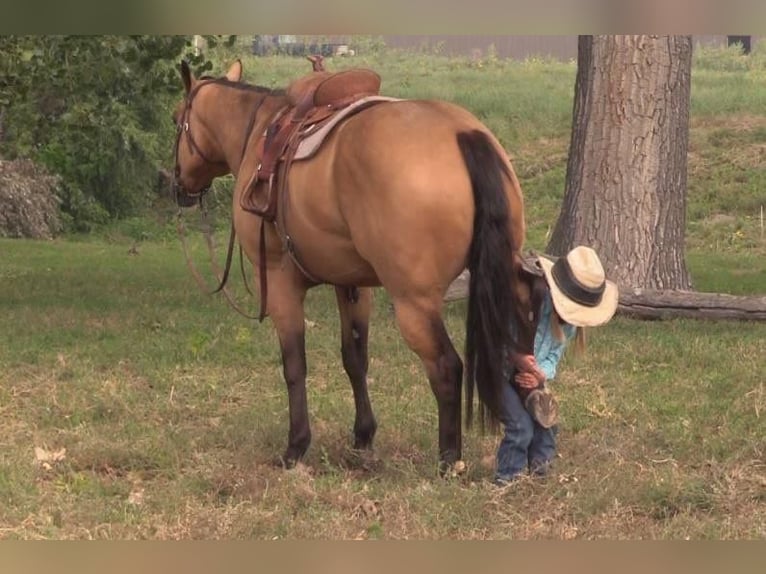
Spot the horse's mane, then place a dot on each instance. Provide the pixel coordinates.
(245, 86)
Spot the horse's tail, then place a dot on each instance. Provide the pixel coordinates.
(492, 303)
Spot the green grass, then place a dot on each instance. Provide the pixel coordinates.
(155, 388)
(172, 407)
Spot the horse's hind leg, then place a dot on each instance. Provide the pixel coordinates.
(422, 327)
(354, 306)
(285, 308)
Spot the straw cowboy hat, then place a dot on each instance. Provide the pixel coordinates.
(581, 294)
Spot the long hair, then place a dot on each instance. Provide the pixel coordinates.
(558, 333)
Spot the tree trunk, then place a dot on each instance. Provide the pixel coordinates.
(625, 192)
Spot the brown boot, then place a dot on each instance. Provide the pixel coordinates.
(543, 407)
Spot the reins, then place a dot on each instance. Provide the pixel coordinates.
(210, 242)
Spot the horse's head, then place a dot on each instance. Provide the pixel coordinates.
(198, 156)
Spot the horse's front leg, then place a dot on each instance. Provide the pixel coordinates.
(285, 299)
(354, 305)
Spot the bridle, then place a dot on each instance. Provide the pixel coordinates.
(187, 198)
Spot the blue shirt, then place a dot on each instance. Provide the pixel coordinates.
(548, 349)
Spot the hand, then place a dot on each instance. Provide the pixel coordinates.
(528, 364)
(525, 363)
(526, 380)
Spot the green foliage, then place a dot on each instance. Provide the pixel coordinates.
(93, 109)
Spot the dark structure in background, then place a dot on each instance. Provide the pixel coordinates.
(522, 47)
(744, 41)
(561, 48)
(516, 47)
(264, 45)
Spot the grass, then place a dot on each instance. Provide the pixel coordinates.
(171, 407)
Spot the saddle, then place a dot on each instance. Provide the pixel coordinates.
(312, 102)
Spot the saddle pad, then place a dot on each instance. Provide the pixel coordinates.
(310, 144)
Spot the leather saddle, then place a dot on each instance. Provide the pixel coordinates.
(312, 102)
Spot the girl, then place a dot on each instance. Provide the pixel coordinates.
(578, 295)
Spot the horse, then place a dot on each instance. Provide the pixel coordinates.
(403, 194)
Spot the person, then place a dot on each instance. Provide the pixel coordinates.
(576, 295)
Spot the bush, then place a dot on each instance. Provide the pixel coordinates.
(94, 110)
(29, 196)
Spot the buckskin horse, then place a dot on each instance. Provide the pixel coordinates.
(401, 193)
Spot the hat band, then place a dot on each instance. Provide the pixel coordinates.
(571, 286)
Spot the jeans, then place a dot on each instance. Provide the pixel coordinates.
(525, 443)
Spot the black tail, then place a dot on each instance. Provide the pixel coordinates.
(492, 304)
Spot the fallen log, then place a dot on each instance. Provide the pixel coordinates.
(666, 304)
(651, 304)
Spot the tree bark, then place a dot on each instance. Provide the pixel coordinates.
(625, 192)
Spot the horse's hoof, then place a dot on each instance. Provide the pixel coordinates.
(452, 470)
(285, 462)
(363, 440)
(362, 459)
(543, 408)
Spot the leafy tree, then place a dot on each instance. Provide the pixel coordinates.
(94, 110)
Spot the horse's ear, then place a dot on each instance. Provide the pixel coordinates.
(235, 72)
(186, 75)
